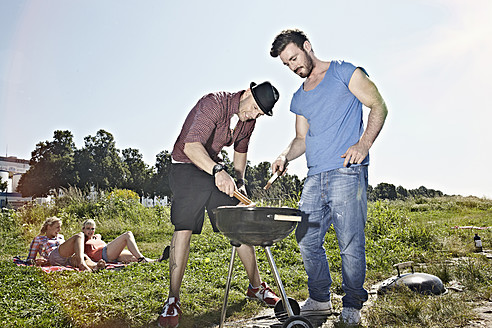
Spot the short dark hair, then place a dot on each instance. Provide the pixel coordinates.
(284, 38)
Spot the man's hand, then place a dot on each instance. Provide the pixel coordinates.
(225, 183)
(355, 154)
(279, 165)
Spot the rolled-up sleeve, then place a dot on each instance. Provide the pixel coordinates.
(33, 249)
(242, 142)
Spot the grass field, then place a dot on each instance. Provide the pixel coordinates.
(416, 230)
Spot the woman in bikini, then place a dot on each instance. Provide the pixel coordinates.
(115, 251)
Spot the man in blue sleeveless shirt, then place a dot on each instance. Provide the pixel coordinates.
(330, 131)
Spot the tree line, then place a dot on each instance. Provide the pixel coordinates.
(59, 164)
(99, 164)
(390, 192)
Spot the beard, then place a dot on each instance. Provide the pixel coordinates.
(306, 69)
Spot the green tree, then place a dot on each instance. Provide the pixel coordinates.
(99, 163)
(160, 180)
(370, 193)
(139, 174)
(424, 192)
(3, 185)
(228, 164)
(51, 166)
(435, 193)
(257, 176)
(401, 193)
(286, 187)
(385, 191)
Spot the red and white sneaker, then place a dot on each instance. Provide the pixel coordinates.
(262, 293)
(169, 317)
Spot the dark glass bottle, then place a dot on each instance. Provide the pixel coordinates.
(478, 243)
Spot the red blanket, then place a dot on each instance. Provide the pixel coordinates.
(53, 268)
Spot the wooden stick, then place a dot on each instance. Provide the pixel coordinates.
(243, 199)
(272, 179)
(280, 217)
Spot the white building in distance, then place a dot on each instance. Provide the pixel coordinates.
(11, 169)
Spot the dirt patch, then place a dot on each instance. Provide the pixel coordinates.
(267, 318)
(483, 311)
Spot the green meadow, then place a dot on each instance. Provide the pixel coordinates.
(420, 230)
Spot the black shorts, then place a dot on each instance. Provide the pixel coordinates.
(194, 191)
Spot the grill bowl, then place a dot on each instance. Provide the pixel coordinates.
(256, 226)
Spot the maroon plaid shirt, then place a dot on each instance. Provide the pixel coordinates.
(209, 123)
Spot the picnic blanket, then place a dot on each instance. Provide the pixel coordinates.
(55, 268)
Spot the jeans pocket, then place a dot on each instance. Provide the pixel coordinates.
(352, 170)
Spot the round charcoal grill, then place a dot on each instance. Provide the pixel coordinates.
(256, 226)
(261, 226)
(422, 283)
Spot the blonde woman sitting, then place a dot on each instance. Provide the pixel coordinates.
(115, 251)
(55, 250)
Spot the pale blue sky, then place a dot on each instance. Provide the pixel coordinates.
(135, 69)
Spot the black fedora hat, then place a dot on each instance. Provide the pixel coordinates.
(266, 95)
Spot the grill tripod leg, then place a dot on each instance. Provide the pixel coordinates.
(228, 285)
(280, 286)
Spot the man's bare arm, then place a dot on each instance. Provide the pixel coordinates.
(197, 153)
(296, 148)
(367, 93)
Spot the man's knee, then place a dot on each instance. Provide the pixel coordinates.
(181, 237)
(182, 234)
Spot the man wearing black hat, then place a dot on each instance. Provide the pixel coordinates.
(199, 181)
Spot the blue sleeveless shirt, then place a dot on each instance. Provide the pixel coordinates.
(334, 115)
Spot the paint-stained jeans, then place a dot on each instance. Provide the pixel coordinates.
(337, 197)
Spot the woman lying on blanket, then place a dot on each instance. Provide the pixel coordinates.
(55, 250)
(97, 249)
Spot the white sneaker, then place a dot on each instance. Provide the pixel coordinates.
(350, 316)
(313, 307)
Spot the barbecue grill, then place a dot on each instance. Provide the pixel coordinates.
(261, 226)
(422, 283)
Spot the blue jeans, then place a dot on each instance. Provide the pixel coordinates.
(337, 197)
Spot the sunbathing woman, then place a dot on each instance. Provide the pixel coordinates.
(97, 249)
(55, 250)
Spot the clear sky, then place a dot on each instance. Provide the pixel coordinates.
(135, 69)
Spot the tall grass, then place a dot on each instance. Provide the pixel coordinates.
(429, 232)
(420, 230)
